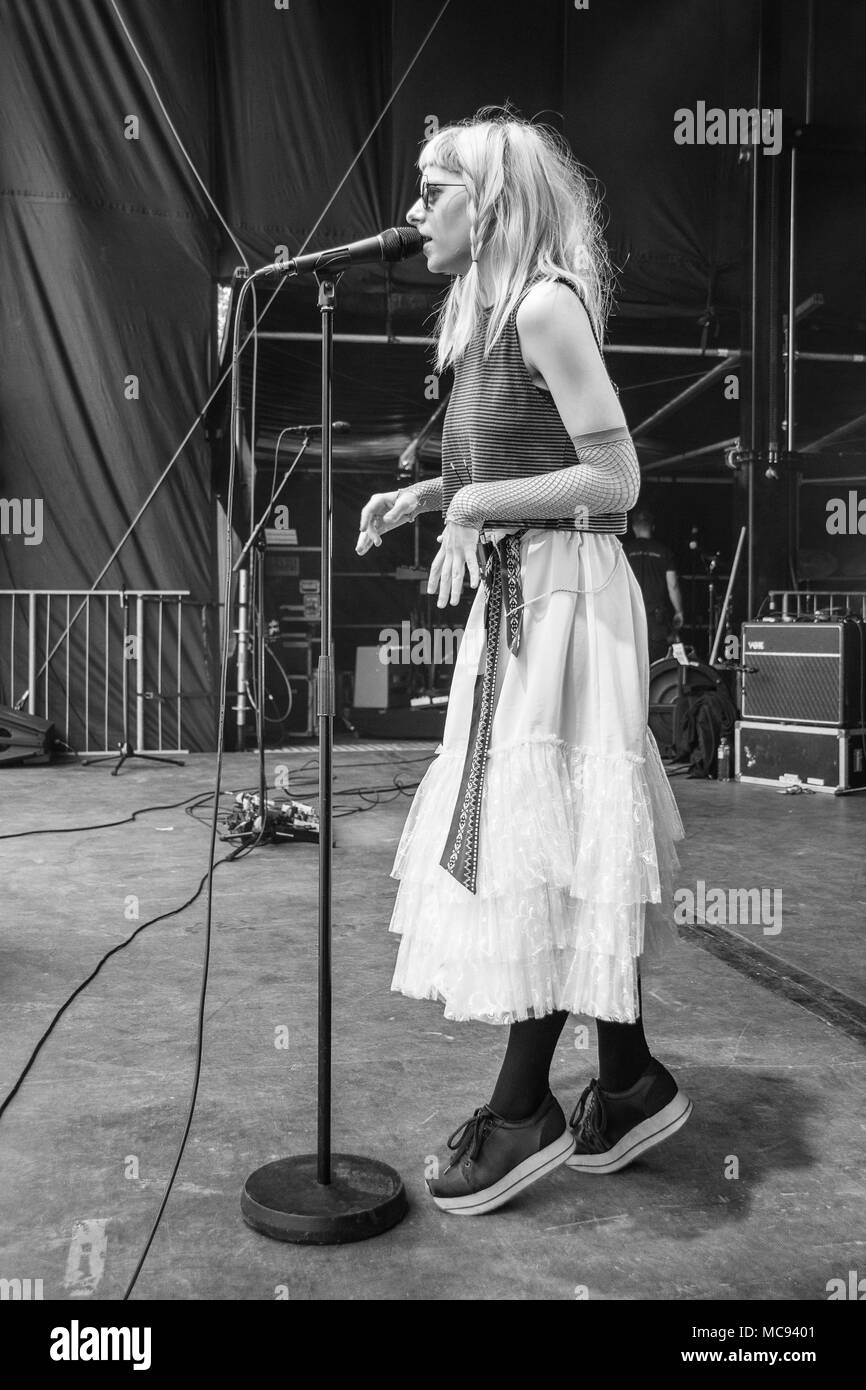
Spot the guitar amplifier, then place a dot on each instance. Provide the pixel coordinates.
(292, 584)
(805, 673)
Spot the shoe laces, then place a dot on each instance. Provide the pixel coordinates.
(589, 1118)
(469, 1136)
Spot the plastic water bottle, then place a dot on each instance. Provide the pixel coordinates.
(724, 761)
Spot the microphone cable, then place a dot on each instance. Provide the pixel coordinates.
(208, 878)
(79, 989)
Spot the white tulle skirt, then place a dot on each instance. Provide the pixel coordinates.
(576, 857)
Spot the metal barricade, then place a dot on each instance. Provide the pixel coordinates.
(803, 604)
(105, 666)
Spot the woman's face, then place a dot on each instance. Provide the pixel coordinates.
(445, 222)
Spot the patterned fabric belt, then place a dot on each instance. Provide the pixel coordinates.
(501, 575)
(615, 523)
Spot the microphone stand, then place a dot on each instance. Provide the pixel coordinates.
(711, 561)
(324, 1198)
(126, 750)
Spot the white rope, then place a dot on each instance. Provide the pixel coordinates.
(598, 590)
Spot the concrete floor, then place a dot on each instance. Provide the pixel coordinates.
(765, 1031)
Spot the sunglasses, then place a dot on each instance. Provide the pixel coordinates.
(426, 186)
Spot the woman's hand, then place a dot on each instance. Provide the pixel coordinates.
(458, 551)
(383, 512)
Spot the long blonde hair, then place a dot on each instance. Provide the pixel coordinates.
(532, 210)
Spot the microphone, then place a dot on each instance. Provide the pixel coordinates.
(395, 244)
(406, 461)
(410, 454)
(338, 427)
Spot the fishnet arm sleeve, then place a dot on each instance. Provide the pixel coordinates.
(428, 494)
(606, 479)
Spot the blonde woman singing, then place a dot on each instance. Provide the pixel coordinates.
(536, 863)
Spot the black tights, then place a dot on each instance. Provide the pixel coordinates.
(524, 1078)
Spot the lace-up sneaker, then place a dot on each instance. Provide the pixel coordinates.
(494, 1159)
(613, 1128)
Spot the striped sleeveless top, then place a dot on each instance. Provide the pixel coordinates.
(500, 425)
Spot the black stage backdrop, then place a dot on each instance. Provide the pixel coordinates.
(106, 275)
(112, 251)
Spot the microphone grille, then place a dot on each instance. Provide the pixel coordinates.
(401, 242)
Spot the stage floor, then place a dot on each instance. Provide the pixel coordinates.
(759, 1197)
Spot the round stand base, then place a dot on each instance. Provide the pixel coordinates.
(285, 1200)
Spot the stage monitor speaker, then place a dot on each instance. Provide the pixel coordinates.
(665, 683)
(371, 679)
(24, 738)
(379, 684)
(805, 673)
(426, 722)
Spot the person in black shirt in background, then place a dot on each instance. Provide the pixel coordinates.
(656, 572)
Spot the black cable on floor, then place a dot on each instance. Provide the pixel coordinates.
(121, 945)
(103, 825)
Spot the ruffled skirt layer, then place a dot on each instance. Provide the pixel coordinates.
(578, 823)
